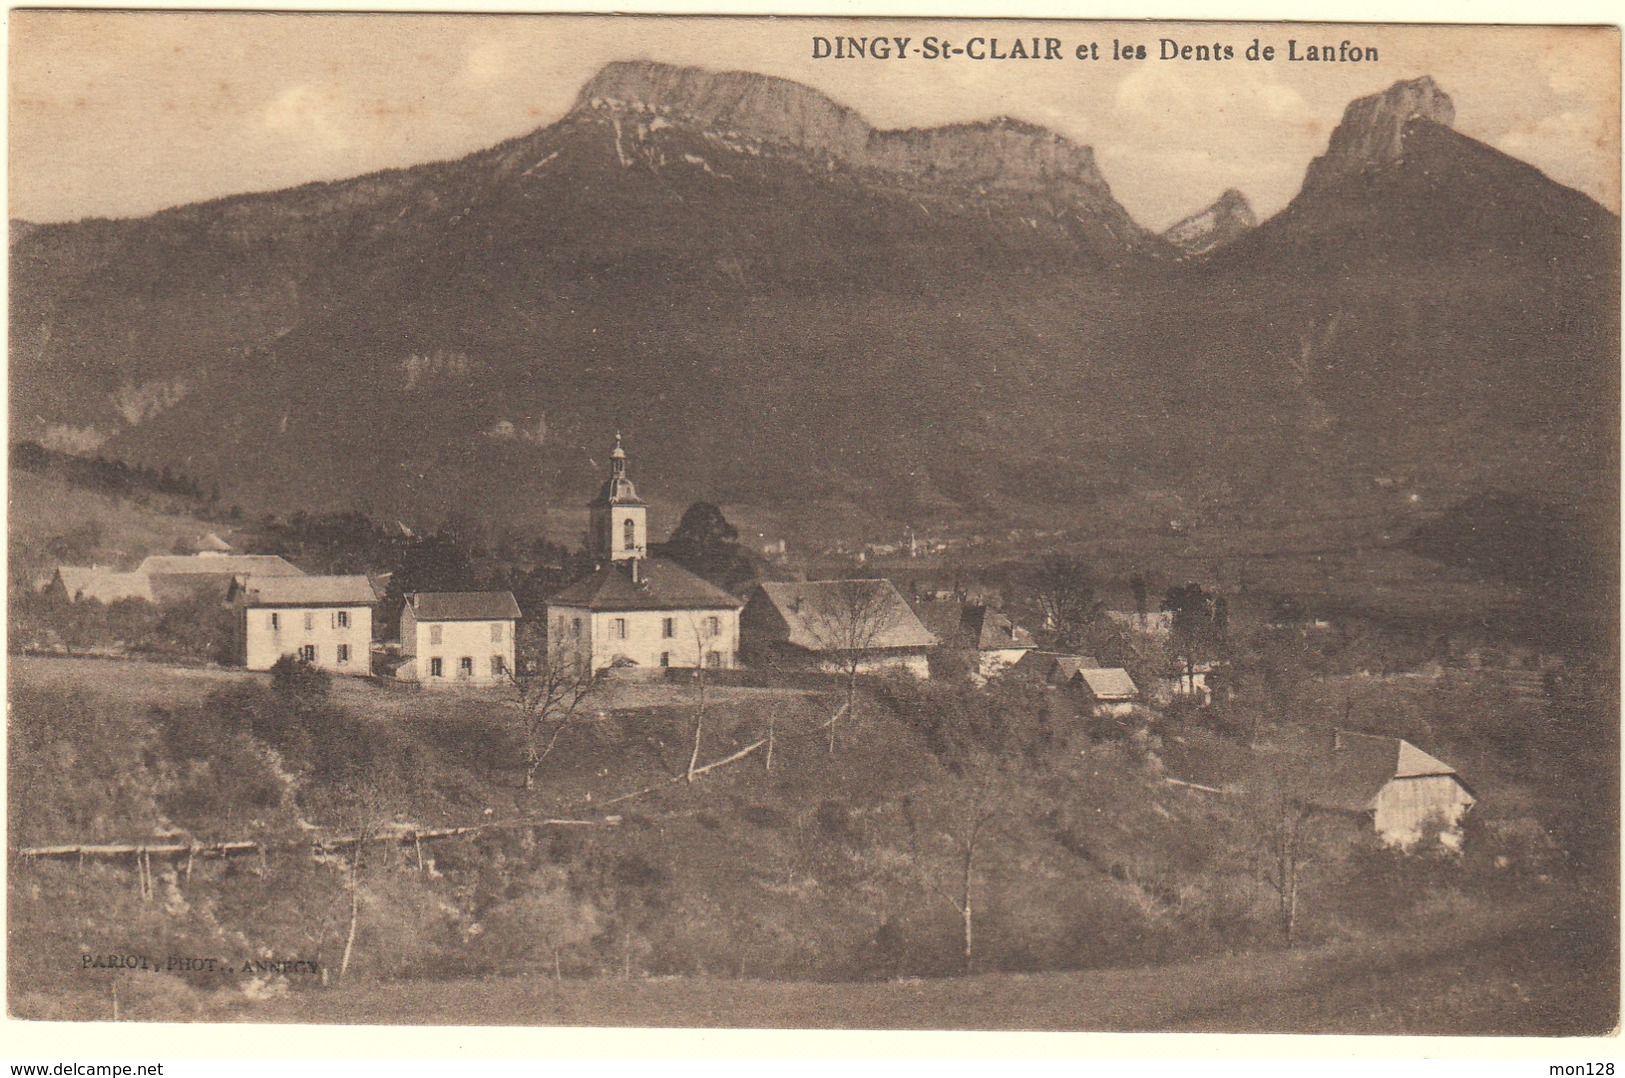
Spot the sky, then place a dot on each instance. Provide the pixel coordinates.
(116, 114)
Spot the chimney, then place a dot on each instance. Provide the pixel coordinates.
(637, 570)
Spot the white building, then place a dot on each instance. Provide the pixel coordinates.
(458, 637)
(636, 612)
(324, 620)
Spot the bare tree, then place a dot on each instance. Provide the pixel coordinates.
(848, 619)
(357, 807)
(1065, 588)
(697, 626)
(1289, 836)
(552, 686)
(948, 828)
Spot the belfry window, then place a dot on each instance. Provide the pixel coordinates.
(631, 531)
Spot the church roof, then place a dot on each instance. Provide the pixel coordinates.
(661, 585)
(617, 489)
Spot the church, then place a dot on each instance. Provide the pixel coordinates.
(637, 612)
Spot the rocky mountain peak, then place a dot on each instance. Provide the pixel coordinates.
(740, 102)
(1230, 216)
(1372, 133)
(1000, 152)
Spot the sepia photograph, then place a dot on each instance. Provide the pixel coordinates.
(810, 523)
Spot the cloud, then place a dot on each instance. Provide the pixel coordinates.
(1183, 133)
(1229, 94)
(306, 114)
(488, 60)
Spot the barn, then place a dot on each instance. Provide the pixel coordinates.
(1402, 789)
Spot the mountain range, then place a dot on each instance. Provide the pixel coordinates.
(789, 310)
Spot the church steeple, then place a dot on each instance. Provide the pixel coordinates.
(619, 520)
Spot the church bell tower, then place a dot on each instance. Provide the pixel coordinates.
(618, 519)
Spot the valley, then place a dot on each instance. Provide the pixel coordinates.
(1345, 476)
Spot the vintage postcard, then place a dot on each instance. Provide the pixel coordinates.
(812, 523)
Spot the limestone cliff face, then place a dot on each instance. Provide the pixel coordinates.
(1372, 133)
(1002, 156)
(756, 106)
(1226, 220)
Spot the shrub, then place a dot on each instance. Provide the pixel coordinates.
(301, 682)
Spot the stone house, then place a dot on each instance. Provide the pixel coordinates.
(994, 642)
(324, 620)
(458, 637)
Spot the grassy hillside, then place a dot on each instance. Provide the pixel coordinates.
(844, 867)
(1513, 975)
(50, 521)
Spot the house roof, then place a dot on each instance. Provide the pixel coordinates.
(464, 606)
(845, 615)
(261, 565)
(1108, 683)
(1053, 665)
(994, 631)
(662, 585)
(103, 585)
(1205, 759)
(943, 619)
(1349, 776)
(308, 591)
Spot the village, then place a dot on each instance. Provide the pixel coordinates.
(641, 619)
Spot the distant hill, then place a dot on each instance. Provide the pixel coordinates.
(50, 522)
(792, 312)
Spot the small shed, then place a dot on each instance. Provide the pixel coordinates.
(1106, 690)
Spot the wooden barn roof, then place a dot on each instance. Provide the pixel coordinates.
(815, 613)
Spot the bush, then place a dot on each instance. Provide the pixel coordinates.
(544, 927)
(301, 682)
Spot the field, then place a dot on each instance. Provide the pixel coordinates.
(1517, 974)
